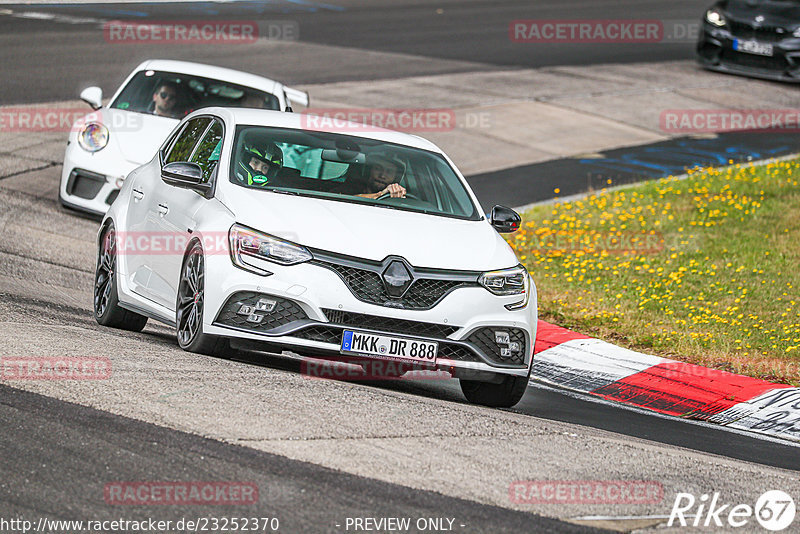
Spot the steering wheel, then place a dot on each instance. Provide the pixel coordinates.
(408, 195)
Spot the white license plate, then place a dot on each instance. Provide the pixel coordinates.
(389, 347)
(752, 47)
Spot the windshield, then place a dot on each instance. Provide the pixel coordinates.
(176, 95)
(349, 169)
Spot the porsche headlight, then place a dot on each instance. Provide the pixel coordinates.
(514, 281)
(93, 137)
(246, 243)
(715, 17)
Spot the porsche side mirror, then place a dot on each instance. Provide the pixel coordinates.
(505, 220)
(186, 175)
(93, 96)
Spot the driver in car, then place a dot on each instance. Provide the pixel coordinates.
(259, 163)
(165, 99)
(381, 176)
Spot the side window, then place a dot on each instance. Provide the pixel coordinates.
(182, 148)
(165, 148)
(208, 150)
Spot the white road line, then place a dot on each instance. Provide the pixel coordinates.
(623, 517)
(38, 15)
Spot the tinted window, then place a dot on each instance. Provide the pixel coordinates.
(191, 93)
(183, 146)
(352, 169)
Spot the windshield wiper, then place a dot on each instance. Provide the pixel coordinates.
(285, 192)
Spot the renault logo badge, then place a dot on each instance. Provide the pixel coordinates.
(397, 279)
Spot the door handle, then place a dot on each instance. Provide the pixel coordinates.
(163, 209)
(138, 195)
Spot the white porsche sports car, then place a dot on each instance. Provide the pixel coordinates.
(107, 144)
(364, 246)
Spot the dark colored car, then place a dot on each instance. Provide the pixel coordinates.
(759, 38)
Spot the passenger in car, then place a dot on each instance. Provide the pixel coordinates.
(251, 100)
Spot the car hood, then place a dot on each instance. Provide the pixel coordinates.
(372, 232)
(775, 12)
(136, 136)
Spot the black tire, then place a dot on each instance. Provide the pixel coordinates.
(107, 310)
(189, 308)
(503, 395)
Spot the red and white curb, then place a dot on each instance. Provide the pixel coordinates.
(574, 361)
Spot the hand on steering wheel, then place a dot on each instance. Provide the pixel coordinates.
(395, 191)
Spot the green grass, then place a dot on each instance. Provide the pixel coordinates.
(703, 269)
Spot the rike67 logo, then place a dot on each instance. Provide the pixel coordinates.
(774, 510)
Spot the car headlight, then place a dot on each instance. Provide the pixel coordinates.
(715, 17)
(796, 32)
(513, 281)
(247, 243)
(93, 137)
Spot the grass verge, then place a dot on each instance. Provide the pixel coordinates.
(703, 269)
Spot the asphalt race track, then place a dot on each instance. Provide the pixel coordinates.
(464, 36)
(321, 451)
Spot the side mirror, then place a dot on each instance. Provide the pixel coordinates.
(93, 96)
(186, 175)
(505, 220)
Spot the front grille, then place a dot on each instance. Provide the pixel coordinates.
(485, 340)
(769, 34)
(424, 293)
(85, 184)
(482, 341)
(458, 353)
(755, 61)
(325, 334)
(332, 334)
(285, 312)
(387, 324)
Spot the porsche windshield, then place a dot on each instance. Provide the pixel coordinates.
(352, 169)
(176, 95)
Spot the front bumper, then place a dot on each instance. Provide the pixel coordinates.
(314, 306)
(90, 182)
(716, 52)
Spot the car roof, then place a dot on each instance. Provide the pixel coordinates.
(301, 121)
(211, 71)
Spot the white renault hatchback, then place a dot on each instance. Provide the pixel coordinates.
(344, 243)
(108, 143)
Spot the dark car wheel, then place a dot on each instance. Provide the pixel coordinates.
(505, 394)
(189, 307)
(107, 310)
